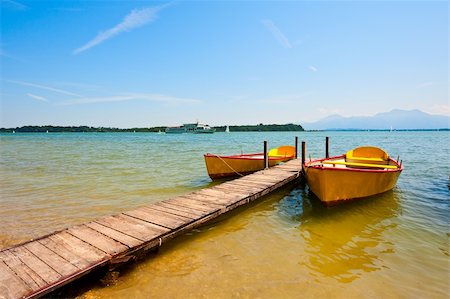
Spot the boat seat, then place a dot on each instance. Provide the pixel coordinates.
(282, 151)
(360, 165)
(367, 154)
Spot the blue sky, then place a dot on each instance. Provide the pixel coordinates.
(146, 63)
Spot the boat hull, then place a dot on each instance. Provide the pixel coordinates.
(234, 166)
(333, 185)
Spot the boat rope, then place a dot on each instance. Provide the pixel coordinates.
(238, 173)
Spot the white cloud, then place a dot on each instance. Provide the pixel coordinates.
(131, 97)
(136, 18)
(44, 88)
(313, 68)
(277, 34)
(36, 97)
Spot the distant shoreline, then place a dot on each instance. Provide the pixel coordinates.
(244, 128)
(87, 129)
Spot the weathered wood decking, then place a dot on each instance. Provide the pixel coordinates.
(37, 267)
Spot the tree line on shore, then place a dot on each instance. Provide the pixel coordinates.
(87, 129)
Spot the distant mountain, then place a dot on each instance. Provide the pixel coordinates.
(397, 119)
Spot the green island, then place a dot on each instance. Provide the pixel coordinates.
(81, 129)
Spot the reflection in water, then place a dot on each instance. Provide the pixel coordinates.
(345, 241)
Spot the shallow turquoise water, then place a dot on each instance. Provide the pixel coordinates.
(394, 245)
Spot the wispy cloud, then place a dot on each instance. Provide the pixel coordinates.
(277, 34)
(14, 4)
(313, 68)
(136, 18)
(5, 54)
(131, 97)
(36, 97)
(65, 92)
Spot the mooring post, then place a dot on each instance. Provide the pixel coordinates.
(327, 147)
(303, 154)
(296, 147)
(266, 157)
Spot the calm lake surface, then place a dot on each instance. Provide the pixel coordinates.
(287, 245)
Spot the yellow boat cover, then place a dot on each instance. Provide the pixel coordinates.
(367, 154)
(282, 151)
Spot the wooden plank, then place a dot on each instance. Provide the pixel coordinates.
(268, 181)
(253, 189)
(11, 286)
(268, 175)
(52, 259)
(170, 214)
(154, 227)
(137, 229)
(257, 184)
(173, 210)
(187, 210)
(246, 183)
(202, 199)
(281, 174)
(97, 239)
(209, 199)
(192, 225)
(254, 192)
(67, 252)
(194, 204)
(265, 179)
(297, 161)
(218, 197)
(230, 194)
(155, 217)
(227, 202)
(278, 172)
(87, 251)
(114, 234)
(288, 168)
(48, 274)
(240, 187)
(34, 281)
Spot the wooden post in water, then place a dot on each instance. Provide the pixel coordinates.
(327, 147)
(296, 147)
(266, 157)
(303, 153)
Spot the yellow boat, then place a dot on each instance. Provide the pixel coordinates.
(361, 172)
(238, 165)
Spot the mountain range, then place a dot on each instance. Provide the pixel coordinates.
(396, 119)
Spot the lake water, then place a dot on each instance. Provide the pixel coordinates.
(287, 245)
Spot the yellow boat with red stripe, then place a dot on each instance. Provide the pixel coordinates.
(239, 165)
(361, 172)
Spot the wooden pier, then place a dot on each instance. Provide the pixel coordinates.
(37, 267)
